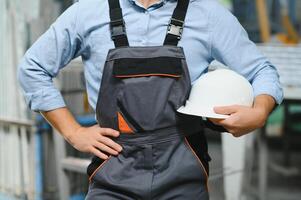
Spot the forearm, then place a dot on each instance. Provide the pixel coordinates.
(265, 104)
(62, 120)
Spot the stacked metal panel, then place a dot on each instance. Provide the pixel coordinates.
(287, 59)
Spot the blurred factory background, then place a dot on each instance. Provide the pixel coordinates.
(36, 163)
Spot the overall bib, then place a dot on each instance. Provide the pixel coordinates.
(164, 153)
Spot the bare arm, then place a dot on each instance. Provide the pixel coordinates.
(244, 119)
(94, 139)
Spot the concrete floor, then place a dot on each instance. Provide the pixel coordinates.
(281, 186)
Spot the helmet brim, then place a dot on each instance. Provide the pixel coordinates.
(202, 112)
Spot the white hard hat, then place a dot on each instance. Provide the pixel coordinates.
(221, 87)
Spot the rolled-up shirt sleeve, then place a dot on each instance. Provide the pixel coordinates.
(42, 62)
(231, 46)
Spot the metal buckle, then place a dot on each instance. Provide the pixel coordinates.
(175, 29)
(117, 28)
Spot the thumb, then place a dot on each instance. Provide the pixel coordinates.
(225, 110)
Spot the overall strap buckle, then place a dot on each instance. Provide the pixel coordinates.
(117, 24)
(175, 28)
(176, 23)
(117, 28)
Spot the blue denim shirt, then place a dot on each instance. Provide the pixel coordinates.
(210, 32)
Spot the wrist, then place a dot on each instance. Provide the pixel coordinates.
(262, 115)
(264, 105)
(69, 135)
(262, 110)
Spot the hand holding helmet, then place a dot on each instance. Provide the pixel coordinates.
(221, 87)
(226, 98)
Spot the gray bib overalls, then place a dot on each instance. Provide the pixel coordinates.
(164, 153)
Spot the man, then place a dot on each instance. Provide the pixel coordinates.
(143, 149)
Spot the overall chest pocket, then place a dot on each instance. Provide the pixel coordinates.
(149, 91)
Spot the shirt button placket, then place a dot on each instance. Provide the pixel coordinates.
(145, 27)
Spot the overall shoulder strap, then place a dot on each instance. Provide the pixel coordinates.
(176, 24)
(117, 25)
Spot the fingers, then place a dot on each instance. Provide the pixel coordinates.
(107, 141)
(110, 143)
(226, 110)
(227, 123)
(230, 124)
(99, 154)
(242, 119)
(220, 122)
(215, 121)
(103, 144)
(105, 148)
(109, 132)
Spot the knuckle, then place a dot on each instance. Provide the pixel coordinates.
(99, 133)
(90, 149)
(236, 133)
(94, 143)
(233, 133)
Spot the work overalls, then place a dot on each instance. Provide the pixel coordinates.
(164, 153)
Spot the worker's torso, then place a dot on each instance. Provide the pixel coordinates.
(164, 153)
(144, 28)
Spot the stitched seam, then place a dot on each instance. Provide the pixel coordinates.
(113, 59)
(142, 75)
(199, 161)
(98, 168)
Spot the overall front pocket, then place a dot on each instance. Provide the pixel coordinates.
(149, 91)
(96, 165)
